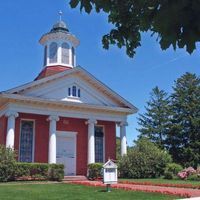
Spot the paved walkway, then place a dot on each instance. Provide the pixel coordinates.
(182, 192)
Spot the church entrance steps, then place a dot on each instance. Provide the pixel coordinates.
(75, 178)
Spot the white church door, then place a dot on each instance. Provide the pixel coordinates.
(66, 151)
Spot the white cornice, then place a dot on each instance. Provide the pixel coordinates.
(36, 100)
(59, 36)
(61, 112)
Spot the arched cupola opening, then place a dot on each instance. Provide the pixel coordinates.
(53, 52)
(65, 53)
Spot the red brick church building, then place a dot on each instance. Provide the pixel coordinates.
(65, 115)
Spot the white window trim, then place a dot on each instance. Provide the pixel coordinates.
(33, 147)
(103, 140)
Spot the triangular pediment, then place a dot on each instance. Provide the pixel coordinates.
(57, 87)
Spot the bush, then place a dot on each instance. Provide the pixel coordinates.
(168, 175)
(173, 168)
(56, 172)
(7, 163)
(144, 160)
(194, 177)
(95, 171)
(39, 171)
(12, 170)
(33, 170)
(185, 173)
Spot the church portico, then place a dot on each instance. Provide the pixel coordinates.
(43, 130)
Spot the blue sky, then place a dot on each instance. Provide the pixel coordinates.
(23, 22)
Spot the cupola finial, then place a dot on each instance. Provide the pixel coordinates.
(60, 14)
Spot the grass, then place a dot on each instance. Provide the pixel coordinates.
(18, 191)
(164, 181)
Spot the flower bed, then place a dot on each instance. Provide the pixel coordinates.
(166, 191)
(162, 184)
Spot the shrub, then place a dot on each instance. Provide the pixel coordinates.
(194, 177)
(182, 175)
(56, 172)
(21, 169)
(198, 170)
(41, 171)
(95, 171)
(173, 168)
(34, 170)
(168, 175)
(144, 160)
(7, 163)
(186, 172)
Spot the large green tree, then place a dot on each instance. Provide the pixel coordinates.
(184, 136)
(176, 23)
(154, 124)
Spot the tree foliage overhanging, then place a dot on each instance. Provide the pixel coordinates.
(174, 123)
(176, 23)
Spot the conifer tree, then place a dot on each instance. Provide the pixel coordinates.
(183, 139)
(154, 124)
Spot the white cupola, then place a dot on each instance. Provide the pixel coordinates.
(59, 46)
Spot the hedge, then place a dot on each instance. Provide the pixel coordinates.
(95, 171)
(38, 171)
(12, 170)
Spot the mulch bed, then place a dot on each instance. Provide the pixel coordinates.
(162, 184)
(182, 192)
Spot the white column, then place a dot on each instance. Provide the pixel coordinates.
(123, 138)
(10, 137)
(91, 140)
(52, 138)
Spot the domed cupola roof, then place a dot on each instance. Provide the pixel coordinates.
(60, 26)
(59, 31)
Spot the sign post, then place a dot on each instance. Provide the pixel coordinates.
(109, 174)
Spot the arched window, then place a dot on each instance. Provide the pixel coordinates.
(26, 141)
(53, 52)
(45, 55)
(99, 144)
(74, 91)
(69, 91)
(73, 54)
(79, 93)
(65, 53)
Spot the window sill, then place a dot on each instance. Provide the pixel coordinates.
(72, 97)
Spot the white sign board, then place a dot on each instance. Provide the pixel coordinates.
(110, 172)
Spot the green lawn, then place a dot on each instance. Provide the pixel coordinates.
(61, 191)
(164, 181)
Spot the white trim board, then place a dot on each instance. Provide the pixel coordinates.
(80, 114)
